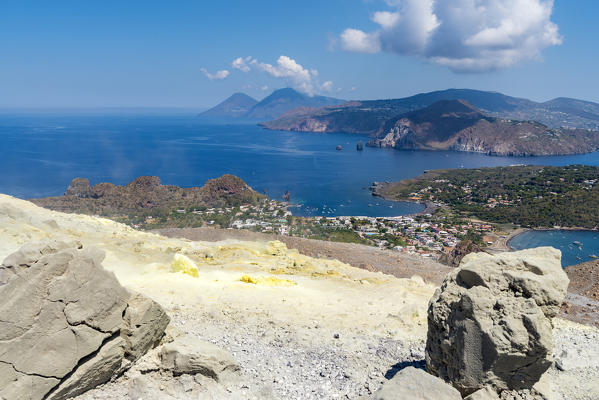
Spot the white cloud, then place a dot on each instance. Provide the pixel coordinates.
(294, 74)
(219, 75)
(243, 63)
(327, 86)
(386, 19)
(298, 76)
(361, 42)
(464, 35)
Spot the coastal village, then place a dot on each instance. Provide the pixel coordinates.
(426, 235)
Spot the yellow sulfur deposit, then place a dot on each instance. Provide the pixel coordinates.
(259, 281)
(184, 265)
(266, 281)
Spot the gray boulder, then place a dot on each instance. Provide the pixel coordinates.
(483, 394)
(190, 355)
(66, 324)
(490, 322)
(415, 384)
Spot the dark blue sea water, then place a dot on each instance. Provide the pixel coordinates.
(41, 154)
(576, 246)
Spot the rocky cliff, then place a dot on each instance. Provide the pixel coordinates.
(457, 125)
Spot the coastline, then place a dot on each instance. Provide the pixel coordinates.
(560, 228)
(503, 244)
(377, 187)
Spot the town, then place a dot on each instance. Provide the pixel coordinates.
(426, 235)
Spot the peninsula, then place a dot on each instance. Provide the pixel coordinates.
(530, 196)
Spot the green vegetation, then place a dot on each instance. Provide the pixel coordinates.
(314, 228)
(531, 196)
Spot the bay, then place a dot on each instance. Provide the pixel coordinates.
(576, 246)
(41, 154)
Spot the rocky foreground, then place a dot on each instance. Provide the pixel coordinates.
(258, 320)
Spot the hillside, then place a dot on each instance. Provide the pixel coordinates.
(457, 125)
(146, 197)
(234, 107)
(370, 116)
(531, 196)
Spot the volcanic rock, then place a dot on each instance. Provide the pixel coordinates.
(66, 324)
(189, 355)
(104, 189)
(79, 187)
(490, 322)
(148, 193)
(463, 248)
(483, 394)
(415, 384)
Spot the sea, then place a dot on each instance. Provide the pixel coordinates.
(576, 246)
(42, 153)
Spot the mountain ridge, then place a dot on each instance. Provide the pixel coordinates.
(369, 116)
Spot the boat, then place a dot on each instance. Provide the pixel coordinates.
(593, 256)
(577, 243)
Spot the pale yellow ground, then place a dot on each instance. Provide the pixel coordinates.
(262, 281)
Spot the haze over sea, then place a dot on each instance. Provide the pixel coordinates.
(41, 154)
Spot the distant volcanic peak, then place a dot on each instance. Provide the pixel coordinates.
(235, 106)
(286, 93)
(287, 99)
(242, 96)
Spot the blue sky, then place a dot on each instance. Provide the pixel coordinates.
(153, 53)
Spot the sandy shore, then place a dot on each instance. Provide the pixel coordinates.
(502, 244)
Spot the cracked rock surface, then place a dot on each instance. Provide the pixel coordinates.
(490, 323)
(66, 324)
